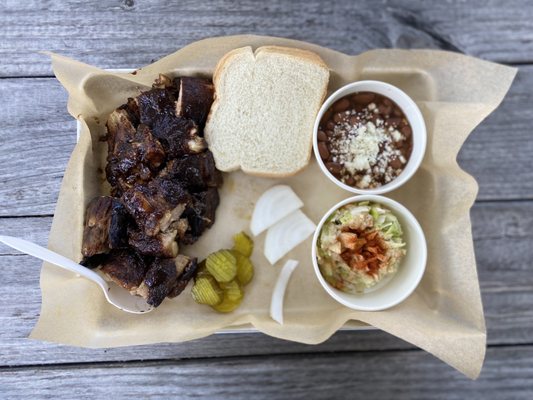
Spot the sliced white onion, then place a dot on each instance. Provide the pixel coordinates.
(273, 205)
(286, 234)
(276, 304)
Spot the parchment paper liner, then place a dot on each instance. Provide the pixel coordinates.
(444, 316)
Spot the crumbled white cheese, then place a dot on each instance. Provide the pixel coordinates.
(365, 181)
(360, 149)
(364, 148)
(396, 135)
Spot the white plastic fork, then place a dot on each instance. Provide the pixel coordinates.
(115, 295)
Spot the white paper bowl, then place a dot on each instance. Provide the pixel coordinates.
(391, 290)
(413, 115)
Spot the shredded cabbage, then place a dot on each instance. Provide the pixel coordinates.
(333, 268)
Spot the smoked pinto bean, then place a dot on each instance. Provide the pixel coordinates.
(321, 136)
(334, 168)
(341, 105)
(406, 131)
(395, 121)
(364, 98)
(339, 117)
(339, 135)
(395, 163)
(323, 150)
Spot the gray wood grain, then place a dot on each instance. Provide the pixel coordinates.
(130, 33)
(34, 229)
(37, 136)
(507, 374)
(496, 153)
(503, 233)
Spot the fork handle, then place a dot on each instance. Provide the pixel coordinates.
(52, 257)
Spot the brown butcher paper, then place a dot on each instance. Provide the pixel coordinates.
(444, 316)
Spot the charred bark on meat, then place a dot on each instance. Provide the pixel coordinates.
(162, 245)
(179, 136)
(164, 184)
(156, 205)
(166, 277)
(126, 268)
(134, 155)
(200, 214)
(195, 98)
(106, 224)
(196, 172)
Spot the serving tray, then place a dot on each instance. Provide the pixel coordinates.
(443, 316)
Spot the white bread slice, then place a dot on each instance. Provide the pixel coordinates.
(265, 108)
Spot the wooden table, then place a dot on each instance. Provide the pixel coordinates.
(37, 135)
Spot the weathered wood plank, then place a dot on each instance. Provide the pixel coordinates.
(507, 374)
(498, 152)
(39, 131)
(34, 229)
(503, 234)
(132, 33)
(36, 138)
(37, 135)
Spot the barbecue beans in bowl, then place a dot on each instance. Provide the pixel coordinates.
(369, 137)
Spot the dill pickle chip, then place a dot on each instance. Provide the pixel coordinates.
(232, 291)
(227, 305)
(207, 291)
(245, 268)
(222, 265)
(243, 244)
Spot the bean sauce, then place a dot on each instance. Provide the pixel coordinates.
(365, 140)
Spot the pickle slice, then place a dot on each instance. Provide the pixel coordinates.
(207, 291)
(245, 268)
(227, 305)
(232, 291)
(222, 265)
(243, 244)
